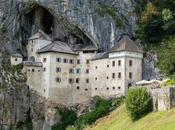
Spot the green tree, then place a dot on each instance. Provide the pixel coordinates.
(138, 103)
(166, 56)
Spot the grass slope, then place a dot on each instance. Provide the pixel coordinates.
(120, 120)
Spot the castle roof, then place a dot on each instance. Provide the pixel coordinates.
(40, 35)
(16, 55)
(57, 46)
(102, 55)
(126, 44)
(81, 47)
(31, 63)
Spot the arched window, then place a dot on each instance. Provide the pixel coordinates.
(32, 59)
(129, 85)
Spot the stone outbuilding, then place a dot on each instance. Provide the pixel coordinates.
(16, 59)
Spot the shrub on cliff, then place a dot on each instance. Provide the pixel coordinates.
(138, 103)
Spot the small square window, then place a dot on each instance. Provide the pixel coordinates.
(87, 80)
(58, 60)
(16, 59)
(113, 88)
(130, 75)
(107, 66)
(71, 81)
(113, 63)
(96, 67)
(78, 87)
(95, 88)
(44, 59)
(58, 69)
(65, 60)
(96, 78)
(113, 75)
(38, 70)
(87, 71)
(33, 70)
(78, 71)
(130, 62)
(78, 61)
(107, 88)
(77, 80)
(107, 77)
(86, 89)
(119, 88)
(71, 71)
(119, 75)
(44, 69)
(31, 49)
(119, 63)
(58, 80)
(87, 61)
(71, 61)
(28, 70)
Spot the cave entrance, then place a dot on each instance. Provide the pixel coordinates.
(47, 20)
(39, 18)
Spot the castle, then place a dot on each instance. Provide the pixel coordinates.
(69, 74)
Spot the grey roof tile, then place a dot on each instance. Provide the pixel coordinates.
(126, 44)
(57, 46)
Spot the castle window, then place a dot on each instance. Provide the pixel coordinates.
(71, 61)
(58, 80)
(65, 60)
(77, 80)
(87, 71)
(113, 88)
(28, 70)
(87, 81)
(130, 75)
(78, 87)
(119, 63)
(86, 89)
(78, 61)
(71, 71)
(87, 61)
(58, 60)
(119, 75)
(130, 62)
(31, 49)
(44, 59)
(44, 69)
(71, 81)
(119, 88)
(95, 88)
(107, 66)
(107, 77)
(113, 63)
(107, 88)
(95, 78)
(78, 71)
(58, 69)
(33, 70)
(38, 70)
(16, 59)
(113, 75)
(96, 67)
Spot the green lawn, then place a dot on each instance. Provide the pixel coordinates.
(119, 120)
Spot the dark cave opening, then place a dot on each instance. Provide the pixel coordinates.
(47, 21)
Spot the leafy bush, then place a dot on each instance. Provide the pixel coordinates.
(138, 103)
(102, 108)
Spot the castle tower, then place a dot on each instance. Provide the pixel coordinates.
(130, 56)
